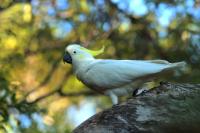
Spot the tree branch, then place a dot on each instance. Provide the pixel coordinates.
(59, 91)
(169, 108)
(47, 77)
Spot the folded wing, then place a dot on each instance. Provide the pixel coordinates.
(107, 74)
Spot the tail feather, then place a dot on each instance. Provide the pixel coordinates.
(177, 66)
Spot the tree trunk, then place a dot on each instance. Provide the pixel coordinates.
(168, 108)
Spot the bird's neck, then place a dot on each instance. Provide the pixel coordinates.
(81, 65)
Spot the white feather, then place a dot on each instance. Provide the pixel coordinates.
(114, 77)
(110, 74)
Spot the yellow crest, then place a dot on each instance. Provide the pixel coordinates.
(93, 52)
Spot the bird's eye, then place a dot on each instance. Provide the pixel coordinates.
(74, 52)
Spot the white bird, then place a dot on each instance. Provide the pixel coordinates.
(113, 77)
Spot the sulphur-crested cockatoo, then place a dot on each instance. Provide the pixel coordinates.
(113, 77)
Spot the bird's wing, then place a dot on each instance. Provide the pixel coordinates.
(115, 73)
(159, 61)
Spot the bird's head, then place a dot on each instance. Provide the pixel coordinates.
(75, 52)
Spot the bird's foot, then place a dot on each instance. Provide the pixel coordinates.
(139, 91)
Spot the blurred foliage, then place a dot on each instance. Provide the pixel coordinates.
(33, 35)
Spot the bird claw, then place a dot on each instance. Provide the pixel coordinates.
(139, 91)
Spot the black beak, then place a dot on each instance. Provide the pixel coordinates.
(67, 58)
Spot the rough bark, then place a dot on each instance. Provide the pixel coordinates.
(168, 108)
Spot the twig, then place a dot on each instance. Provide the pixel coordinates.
(59, 91)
